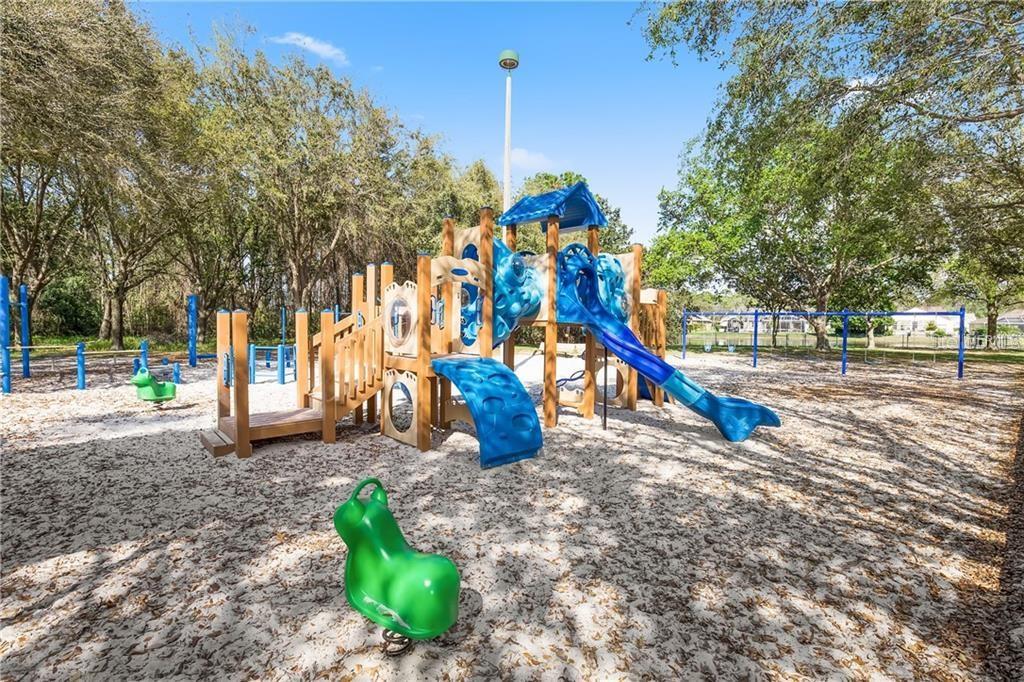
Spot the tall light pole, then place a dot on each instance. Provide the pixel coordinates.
(508, 60)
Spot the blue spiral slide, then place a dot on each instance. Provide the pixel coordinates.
(735, 418)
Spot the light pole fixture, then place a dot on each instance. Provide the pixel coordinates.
(508, 60)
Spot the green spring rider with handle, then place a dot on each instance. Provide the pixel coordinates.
(410, 594)
(149, 389)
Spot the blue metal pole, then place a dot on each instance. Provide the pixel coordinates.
(846, 333)
(5, 332)
(685, 315)
(757, 320)
(26, 336)
(193, 329)
(295, 364)
(337, 312)
(144, 353)
(284, 324)
(960, 346)
(252, 363)
(280, 363)
(176, 373)
(80, 357)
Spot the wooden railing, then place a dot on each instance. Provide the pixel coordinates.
(359, 358)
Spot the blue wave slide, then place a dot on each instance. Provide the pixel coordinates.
(582, 281)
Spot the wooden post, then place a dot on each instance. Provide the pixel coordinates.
(372, 313)
(634, 322)
(240, 353)
(328, 421)
(551, 328)
(358, 308)
(423, 406)
(590, 349)
(509, 347)
(486, 335)
(451, 319)
(387, 276)
(223, 349)
(660, 312)
(302, 362)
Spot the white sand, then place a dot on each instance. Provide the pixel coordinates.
(865, 538)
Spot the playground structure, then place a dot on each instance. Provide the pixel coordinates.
(845, 315)
(410, 338)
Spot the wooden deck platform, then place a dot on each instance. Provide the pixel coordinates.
(262, 425)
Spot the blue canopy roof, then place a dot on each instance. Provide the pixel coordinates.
(575, 207)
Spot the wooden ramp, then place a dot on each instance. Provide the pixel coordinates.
(262, 425)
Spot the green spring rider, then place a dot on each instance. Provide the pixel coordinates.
(149, 389)
(410, 594)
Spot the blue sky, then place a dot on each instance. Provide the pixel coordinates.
(584, 97)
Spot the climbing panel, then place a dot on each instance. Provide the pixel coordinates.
(503, 414)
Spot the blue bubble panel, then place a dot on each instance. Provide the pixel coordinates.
(506, 421)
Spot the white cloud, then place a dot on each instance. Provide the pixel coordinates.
(320, 48)
(528, 161)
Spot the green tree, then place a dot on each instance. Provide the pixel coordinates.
(945, 73)
(77, 82)
(794, 225)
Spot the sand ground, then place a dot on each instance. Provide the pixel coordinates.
(878, 533)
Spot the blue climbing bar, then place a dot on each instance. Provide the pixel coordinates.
(960, 345)
(144, 354)
(26, 335)
(80, 364)
(846, 334)
(280, 360)
(5, 332)
(193, 329)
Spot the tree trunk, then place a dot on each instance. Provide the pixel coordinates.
(775, 330)
(991, 326)
(820, 325)
(117, 320)
(105, 321)
(870, 332)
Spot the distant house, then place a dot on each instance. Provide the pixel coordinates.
(745, 323)
(1012, 318)
(925, 320)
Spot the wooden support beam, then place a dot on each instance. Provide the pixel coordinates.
(303, 364)
(551, 327)
(223, 351)
(387, 276)
(451, 321)
(661, 347)
(634, 322)
(486, 335)
(373, 312)
(590, 349)
(422, 397)
(358, 302)
(509, 347)
(359, 311)
(328, 421)
(240, 353)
